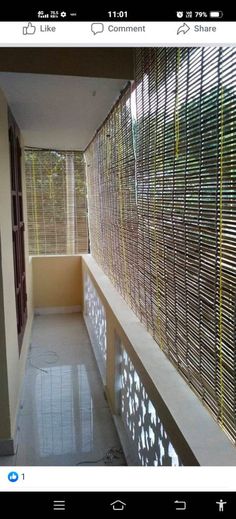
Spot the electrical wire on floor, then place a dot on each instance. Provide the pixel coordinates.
(108, 459)
(40, 355)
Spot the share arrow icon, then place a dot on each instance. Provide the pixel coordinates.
(184, 28)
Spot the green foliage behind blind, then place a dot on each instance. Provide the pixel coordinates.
(111, 190)
(162, 205)
(186, 178)
(56, 202)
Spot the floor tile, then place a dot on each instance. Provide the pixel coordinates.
(64, 417)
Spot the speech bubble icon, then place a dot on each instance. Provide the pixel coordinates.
(97, 27)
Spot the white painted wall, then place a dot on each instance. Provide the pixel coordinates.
(59, 112)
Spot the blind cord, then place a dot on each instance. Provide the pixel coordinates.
(220, 266)
(35, 206)
(177, 105)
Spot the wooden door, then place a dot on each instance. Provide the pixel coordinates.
(17, 228)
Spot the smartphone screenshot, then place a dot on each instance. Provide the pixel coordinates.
(118, 260)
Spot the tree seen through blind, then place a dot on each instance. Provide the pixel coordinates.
(165, 212)
(56, 202)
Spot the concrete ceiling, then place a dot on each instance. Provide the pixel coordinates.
(61, 112)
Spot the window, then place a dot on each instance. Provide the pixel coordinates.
(56, 202)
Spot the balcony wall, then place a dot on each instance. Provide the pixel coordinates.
(159, 419)
(57, 284)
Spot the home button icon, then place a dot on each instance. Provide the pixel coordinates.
(118, 505)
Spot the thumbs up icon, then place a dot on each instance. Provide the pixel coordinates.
(30, 29)
(13, 476)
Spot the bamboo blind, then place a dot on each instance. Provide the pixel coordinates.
(56, 202)
(186, 123)
(111, 190)
(163, 212)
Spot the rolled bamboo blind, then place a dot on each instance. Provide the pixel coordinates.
(112, 205)
(162, 212)
(56, 202)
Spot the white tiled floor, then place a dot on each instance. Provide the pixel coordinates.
(64, 418)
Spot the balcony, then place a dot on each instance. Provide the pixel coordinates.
(93, 394)
(132, 302)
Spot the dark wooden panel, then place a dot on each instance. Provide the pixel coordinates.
(17, 228)
(95, 62)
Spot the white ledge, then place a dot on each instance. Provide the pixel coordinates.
(196, 436)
